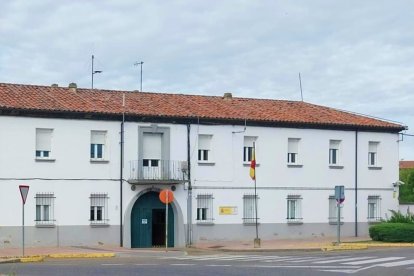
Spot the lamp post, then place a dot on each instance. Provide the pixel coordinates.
(93, 72)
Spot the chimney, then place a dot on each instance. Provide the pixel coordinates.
(54, 85)
(72, 86)
(227, 96)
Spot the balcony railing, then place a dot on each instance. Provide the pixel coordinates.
(153, 171)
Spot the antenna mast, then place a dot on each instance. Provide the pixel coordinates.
(93, 72)
(136, 64)
(300, 83)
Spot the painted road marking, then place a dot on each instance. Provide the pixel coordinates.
(400, 263)
(343, 260)
(183, 264)
(374, 261)
(218, 265)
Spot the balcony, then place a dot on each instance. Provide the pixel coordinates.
(154, 171)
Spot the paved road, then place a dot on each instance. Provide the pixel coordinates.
(379, 262)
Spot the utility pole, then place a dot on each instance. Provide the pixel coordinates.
(136, 64)
(93, 72)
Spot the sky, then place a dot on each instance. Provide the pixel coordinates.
(352, 55)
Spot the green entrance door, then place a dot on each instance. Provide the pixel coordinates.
(148, 222)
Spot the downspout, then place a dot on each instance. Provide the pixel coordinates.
(121, 178)
(356, 183)
(190, 191)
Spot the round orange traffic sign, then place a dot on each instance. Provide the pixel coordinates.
(166, 196)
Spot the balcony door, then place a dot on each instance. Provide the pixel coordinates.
(151, 156)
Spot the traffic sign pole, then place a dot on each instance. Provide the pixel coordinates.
(166, 223)
(340, 197)
(24, 190)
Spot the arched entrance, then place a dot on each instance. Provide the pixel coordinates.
(148, 222)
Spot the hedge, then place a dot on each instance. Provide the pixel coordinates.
(392, 232)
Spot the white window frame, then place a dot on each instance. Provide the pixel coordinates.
(98, 138)
(204, 153)
(374, 208)
(249, 209)
(43, 150)
(98, 212)
(294, 209)
(248, 148)
(293, 151)
(333, 211)
(204, 212)
(335, 152)
(373, 153)
(45, 209)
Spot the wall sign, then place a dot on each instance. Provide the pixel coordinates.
(228, 210)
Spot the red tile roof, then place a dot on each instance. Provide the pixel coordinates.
(406, 164)
(160, 105)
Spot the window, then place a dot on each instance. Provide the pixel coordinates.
(293, 151)
(374, 208)
(249, 208)
(294, 209)
(45, 209)
(334, 152)
(205, 208)
(333, 210)
(98, 141)
(204, 148)
(43, 143)
(99, 209)
(372, 154)
(248, 148)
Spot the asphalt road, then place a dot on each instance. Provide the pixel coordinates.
(375, 262)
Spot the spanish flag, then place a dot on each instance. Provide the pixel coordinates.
(253, 166)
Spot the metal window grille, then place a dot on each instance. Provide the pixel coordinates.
(333, 211)
(294, 208)
(374, 208)
(249, 208)
(45, 209)
(99, 209)
(205, 208)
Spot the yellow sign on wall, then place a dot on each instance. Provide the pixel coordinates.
(228, 210)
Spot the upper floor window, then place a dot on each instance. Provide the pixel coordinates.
(43, 143)
(293, 151)
(373, 154)
(248, 148)
(334, 147)
(204, 148)
(98, 147)
(152, 154)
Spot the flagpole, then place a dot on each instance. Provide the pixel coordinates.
(256, 240)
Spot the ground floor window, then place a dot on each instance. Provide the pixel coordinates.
(249, 208)
(374, 208)
(45, 213)
(99, 209)
(294, 209)
(205, 208)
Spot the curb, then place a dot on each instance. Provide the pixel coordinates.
(30, 259)
(80, 255)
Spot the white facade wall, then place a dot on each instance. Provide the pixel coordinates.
(226, 178)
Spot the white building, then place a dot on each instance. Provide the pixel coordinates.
(65, 143)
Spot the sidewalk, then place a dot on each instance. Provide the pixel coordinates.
(311, 244)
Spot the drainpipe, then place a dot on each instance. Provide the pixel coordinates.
(190, 192)
(121, 177)
(356, 183)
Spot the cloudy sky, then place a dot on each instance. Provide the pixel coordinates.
(352, 55)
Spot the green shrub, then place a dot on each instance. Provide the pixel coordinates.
(397, 217)
(392, 232)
